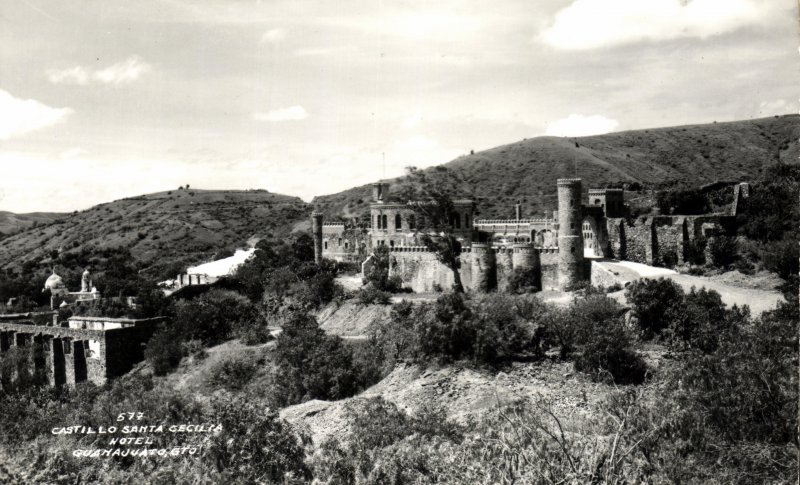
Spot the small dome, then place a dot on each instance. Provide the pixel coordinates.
(53, 282)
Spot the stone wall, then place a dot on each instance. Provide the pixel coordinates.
(420, 271)
(69, 355)
(654, 240)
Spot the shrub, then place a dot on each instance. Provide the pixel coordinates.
(723, 251)
(163, 351)
(311, 364)
(654, 304)
(609, 353)
(523, 280)
(232, 373)
(213, 316)
(369, 295)
(669, 259)
(694, 251)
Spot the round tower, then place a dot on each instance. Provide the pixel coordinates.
(482, 267)
(570, 238)
(316, 234)
(526, 257)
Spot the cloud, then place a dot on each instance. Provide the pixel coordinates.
(776, 107)
(273, 36)
(73, 75)
(589, 24)
(283, 114)
(122, 72)
(582, 125)
(22, 116)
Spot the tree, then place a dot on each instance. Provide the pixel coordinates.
(430, 199)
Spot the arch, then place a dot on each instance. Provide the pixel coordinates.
(398, 222)
(591, 237)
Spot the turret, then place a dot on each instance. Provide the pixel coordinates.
(316, 234)
(380, 191)
(483, 268)
(570, 238)
(526, 258)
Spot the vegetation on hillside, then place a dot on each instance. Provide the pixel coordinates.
(675, 157)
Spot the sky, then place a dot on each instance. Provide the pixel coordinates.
(103, 99)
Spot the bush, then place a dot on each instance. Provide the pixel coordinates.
(523, 280)
(311, 364)
(654, 304)
(232, 373)
(723, 251)
(213, 316)
(369, 295)
(694, 251)
(609, 354)
(163, 351)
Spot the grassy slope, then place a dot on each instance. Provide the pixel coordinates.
(11, 223)
(527, 170)
(163, 227)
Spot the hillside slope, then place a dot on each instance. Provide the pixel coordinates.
(527, 170)
(162, 228)
(11, 222)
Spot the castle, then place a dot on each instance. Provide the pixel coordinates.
(557, 250)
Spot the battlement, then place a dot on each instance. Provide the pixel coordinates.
(568, 181)
(603, 191)
(510, 222)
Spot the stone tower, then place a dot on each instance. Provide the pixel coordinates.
(526, 257)
(570, 238)
(316, 234)
(483, 267)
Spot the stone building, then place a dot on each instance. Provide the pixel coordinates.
(60, 295)
(92, 349)
(559, 249)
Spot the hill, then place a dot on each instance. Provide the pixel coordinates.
(11, 223)
(527, 170)
(163, 229)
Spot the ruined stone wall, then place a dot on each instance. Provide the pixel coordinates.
(639, 240)
(420, 270)
(71, 355)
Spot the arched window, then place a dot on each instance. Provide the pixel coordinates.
(340, 241)
(457, 218)
(412, 222)
(391, 243)
(346, 245)
(325, 245)
(385, 221)
(466, 221)
(596, 201)
(398, 222)
(377, 221)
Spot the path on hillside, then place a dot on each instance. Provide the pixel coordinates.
(758, 300)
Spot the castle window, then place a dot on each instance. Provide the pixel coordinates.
(391, 243)
(325, 244)
(457, 219)
(572, 250)
(377, 222)
(346, 245)
(466, 221)
(572, 225)
(596, 201)
(412, 222)
(384, 221)
(398, 222)
(340, 242)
